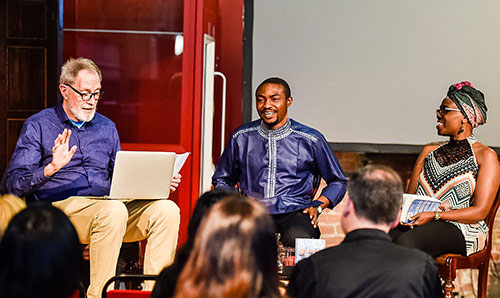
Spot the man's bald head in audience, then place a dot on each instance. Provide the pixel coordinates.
(376, 192)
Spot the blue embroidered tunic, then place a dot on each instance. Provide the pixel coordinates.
(277, 167)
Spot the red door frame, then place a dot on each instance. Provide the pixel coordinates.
(200, 17)
(192, 88)
(190, 122)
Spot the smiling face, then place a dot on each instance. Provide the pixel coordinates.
(272, 105)
(449, 121)
(78, 110)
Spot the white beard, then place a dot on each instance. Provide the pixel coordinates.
(81, 115)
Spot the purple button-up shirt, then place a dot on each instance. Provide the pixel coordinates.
(88, 173)
(277, 167)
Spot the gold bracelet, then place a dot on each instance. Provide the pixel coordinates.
(437, 215)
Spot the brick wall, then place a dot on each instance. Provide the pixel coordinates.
(331, 231)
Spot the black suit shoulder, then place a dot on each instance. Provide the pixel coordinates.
(368, 265)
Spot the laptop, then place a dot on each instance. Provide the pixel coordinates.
(141, 175)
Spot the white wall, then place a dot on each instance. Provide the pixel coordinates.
(374, 71)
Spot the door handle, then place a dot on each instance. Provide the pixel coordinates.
(223, 113)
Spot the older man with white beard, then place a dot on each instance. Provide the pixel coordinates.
(69, 150)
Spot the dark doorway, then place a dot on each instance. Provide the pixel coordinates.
(28, 65)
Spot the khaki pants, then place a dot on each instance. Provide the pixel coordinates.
(105, 224)
(10, 205)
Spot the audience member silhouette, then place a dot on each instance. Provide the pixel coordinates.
(234, 254)
(40, 255)
(367, 264)
(165, 284)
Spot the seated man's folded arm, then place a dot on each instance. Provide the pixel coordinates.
(227, 173)
(330, 170)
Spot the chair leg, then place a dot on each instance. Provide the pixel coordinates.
(448, 288)
(482, 281)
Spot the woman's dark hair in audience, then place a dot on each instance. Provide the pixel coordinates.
(234, 254)
(203, 204)
(165, 284)
(40, 255)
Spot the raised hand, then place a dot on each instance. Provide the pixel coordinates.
(61, 154)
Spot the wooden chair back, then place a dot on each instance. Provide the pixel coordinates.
(490, 219)
(448, 264)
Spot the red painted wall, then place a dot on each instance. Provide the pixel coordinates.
(153, 95)
(229, 61)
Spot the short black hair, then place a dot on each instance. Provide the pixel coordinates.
(203, 204)
(277, 81)
(376, 192)
(40, 254)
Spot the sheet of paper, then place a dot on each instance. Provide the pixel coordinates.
(180, 159)
(414, 204)
(418, 206)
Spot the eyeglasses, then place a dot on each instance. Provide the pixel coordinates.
(85, 96)
(443, 110)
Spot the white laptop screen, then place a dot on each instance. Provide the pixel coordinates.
(142, 175)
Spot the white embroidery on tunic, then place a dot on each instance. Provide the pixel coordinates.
(273, 156)
(236, 134)
(310, 137)
(272, 136)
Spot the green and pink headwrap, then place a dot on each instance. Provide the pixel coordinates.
(470, 101)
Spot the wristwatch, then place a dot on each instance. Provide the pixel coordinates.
(319, 209)
(437, 215)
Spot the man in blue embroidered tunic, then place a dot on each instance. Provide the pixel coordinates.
(69, 150)
(276, 160)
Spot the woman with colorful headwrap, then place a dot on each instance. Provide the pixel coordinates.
(463, 173)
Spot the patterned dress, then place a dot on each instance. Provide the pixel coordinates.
(449, 174)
